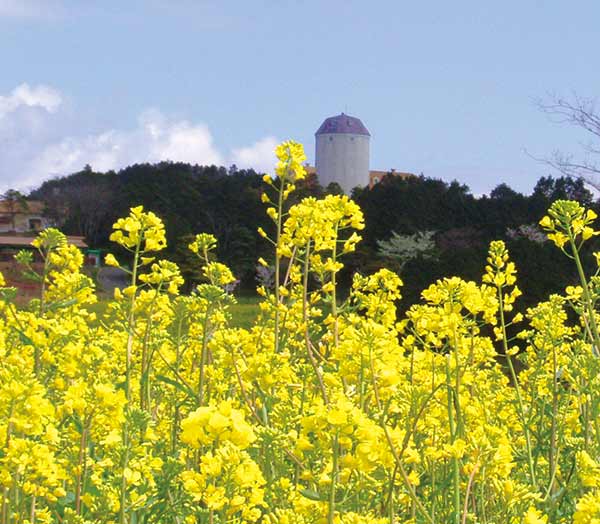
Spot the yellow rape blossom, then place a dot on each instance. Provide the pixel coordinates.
(327, 409)
(140, 229)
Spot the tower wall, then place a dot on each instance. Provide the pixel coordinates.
(342, 158)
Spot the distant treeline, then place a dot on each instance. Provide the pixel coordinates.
(226, 202)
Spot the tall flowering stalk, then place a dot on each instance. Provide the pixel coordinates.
(289, 169)
(141, 233)
(569, 226)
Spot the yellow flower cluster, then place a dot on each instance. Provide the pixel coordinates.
(567, 221)
(164, 273)
(229, 482)
(326, 410)
(140, 230)
(290, 156)
(211, 425)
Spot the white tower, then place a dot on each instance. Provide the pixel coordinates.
(342, 152)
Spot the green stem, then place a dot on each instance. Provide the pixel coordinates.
(128, 359)
(123, 497)
(513, 375)
(586, 295)
(278, 261)
(468, 492)
(130, 322)
(459, 421)
(32, 513)
(37, 361)
(334, 291)
(455, 465)
(4, 505)
(331, 513)
(81, 469)
(554, 451)
(6, 490)
(391, 508)
(147, 354)
(203, 356)
(305, 320)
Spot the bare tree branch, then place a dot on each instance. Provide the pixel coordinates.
(582, 113)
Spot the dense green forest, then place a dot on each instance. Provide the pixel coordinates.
(226, 202)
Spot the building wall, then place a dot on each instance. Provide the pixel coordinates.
(375, 177)
(342, 158)
(23, 223)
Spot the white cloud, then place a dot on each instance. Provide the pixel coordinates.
(153, 140)
(39, 145)
(40, 96)
(178, 141)
(258, 156)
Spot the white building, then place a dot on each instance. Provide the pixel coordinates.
(25, 216)
(342, 152)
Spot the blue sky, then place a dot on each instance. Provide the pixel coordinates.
(445, 88)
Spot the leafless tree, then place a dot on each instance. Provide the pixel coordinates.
(84, 204)
(582, 113)
(15, 202)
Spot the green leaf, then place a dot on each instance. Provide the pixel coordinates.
(31, 275)
(8, 294)
(311, 494)
(67, 500)
(23, 337)
(61, 304)
(314, 495)
(181, 387)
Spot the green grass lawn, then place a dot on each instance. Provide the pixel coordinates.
(98, 307)
(243, 314)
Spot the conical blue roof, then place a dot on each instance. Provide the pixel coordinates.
(343, 124)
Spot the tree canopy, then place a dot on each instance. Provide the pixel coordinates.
(227, 203)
